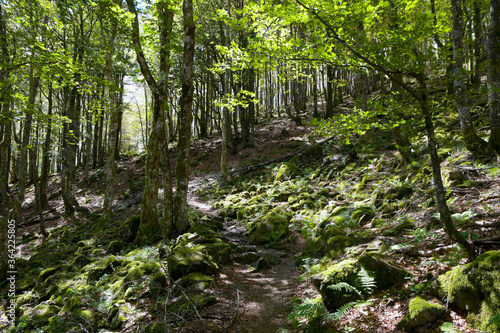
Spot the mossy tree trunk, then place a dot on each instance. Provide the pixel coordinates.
(183, 169)
(472, 141)
(113, 125)
(494, 74)
(5, 146)
(157, 158)
(444, 211)
(44, 173)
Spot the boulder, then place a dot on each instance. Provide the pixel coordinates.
(271, 227)
(352, 279)
(184, 260)
(420, 312)
(286, 171)
(473, 288)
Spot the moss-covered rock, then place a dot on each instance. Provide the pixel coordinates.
(71, 303)
(420, 312)
(197, 281)
(286, 171)
(473, 288)
(398, 193)
(108, 267)
(311, 153)
(386, 273)
(116, 246)
(328, 283)
(271, 227)
(331, 243)
(117, 318)
(138, 269)
(184, 260)
(343, 282)
(80, 261)
(45, 311)
(46, 273)
(132, 227)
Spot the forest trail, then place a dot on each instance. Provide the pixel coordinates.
(252, 299)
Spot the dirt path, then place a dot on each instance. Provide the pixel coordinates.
(252, 300)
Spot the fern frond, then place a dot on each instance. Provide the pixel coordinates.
(306, 311)
(346, 286)
(366, 280)
(337, 315)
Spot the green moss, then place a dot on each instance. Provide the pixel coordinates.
(46, 273)
(473, 288)
(286, 171)
(71, 304)
(184, 260)
(198, 281)
(420, 312)
(44, 312)
(273, 226)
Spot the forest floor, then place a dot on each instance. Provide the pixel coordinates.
(250, 300)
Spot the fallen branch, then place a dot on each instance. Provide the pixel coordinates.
(35, 221)
(235, 312)
(430, 253)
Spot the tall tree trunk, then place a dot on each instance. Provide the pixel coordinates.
(186, 116)
(494, 74)
(5, 148)
(479, 56)
(157, 148)
(113, 126)
(444, 211)
(329, 92)
(472, 141)
(44, 176)
(23, 156)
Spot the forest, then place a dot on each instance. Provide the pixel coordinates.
(249, 166)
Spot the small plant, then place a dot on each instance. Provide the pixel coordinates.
(494, 320)
(447, 328)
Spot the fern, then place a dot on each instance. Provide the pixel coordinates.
(346, 286)
(494, 320)
(366, 280)
(308, 310)
(337, 315)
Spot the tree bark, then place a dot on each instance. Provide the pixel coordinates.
(186, 117)
(494, 74)
(113, 125)
(44, 175)
(472, 141)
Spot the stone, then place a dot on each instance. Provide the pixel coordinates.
(473, 288)
(186, 260)
(271, 227)
(286, 171)
(341, 283)
(420, 313)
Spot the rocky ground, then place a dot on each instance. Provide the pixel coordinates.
(231, 273)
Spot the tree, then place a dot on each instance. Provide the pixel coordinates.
(494, 74)
(186, 117)
(368, 51)
(472, 141)
(157, 144)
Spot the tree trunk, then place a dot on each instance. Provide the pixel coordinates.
(44, 177)
(494, 74)
(5, 148)
(186, 116)
(472, 141)
(113, 126)
(23, 157)
(329, 92)
(444, 211)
